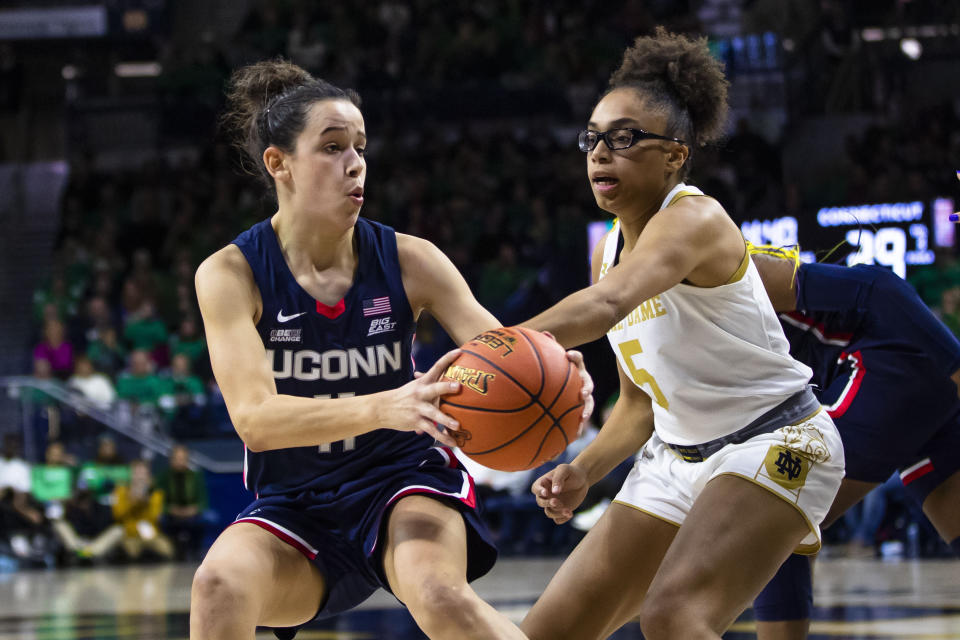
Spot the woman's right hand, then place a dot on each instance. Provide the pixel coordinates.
(560, 491)
(415, 405)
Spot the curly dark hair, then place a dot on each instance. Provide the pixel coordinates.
(267, 104)
(680, 76)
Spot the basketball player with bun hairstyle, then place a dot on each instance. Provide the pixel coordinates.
(737, 462)
(309, 318)
(887, 371)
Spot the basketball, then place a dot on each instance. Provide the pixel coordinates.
(519, 400)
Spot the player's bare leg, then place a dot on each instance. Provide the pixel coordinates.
(248, 578)
(601, 585)
(941, 507)
(735, 537)
(425, 560)
(851, 492)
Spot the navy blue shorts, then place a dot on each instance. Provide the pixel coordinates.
(340, 530)
(894, 415)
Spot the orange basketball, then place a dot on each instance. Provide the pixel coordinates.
(519, 400)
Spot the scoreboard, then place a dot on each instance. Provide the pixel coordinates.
(898, 235)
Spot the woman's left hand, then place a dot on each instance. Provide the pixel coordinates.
(586, 386)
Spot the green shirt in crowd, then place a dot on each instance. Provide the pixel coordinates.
(187, 384)
(183, 488)
(100, 479)
(51, 482)
(149, 389)
(193, 349)
(145, 334)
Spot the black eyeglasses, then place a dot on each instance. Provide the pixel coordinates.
(618, 138)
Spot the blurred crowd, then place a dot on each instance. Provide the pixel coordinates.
(66, 512)
(492, 177)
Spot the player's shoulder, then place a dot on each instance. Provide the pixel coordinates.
(223, 263)
(697, 208)
(412, 250)
(225, 271)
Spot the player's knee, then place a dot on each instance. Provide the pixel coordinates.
(664, 616)
(439, 601)
(214, 588)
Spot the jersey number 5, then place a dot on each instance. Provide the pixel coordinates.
(641, 377)
(349, 444)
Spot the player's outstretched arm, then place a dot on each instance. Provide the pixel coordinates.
(629, 426)
(434, 284)
(230, 304)
(689, 240)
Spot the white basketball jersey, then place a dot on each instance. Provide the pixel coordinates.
(712, 359)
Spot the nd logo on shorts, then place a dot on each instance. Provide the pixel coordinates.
(786, 467)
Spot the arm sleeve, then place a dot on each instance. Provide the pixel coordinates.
(891, 307)
(828, 287)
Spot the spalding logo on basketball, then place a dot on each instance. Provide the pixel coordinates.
(519, 400)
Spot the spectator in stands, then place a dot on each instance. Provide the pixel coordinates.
(185, 504)
(51, 483)
(106, 353)
(87, 528)
(131, 298)
(108, 469)
(92, 385)
(24, 531)
(55, 349)
(144, 393)
(45, 411)
(500, 278)
(189, 396)
(149, 282)
(97, 318)
(145, 331)
(137, 507)
(58, 294)
(189, 342)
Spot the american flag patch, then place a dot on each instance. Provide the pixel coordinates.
(376, 306)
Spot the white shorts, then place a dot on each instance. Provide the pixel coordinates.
(802, 463)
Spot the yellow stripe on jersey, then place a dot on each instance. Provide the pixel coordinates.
(682, 193)
(741, 270)
(784, 253)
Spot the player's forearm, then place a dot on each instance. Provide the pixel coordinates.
(580, 317)
(620, 438)
(283, 421)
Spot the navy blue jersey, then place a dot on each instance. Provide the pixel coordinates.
(847, 309)
(360, 345)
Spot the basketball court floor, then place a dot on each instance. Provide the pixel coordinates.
(857, 600)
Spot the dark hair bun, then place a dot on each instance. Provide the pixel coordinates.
(681, 71)
(254, 86)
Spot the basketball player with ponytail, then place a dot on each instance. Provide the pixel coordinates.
(309, 317)
(738, 462)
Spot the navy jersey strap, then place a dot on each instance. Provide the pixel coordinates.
(391, 263)
(252, 243)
